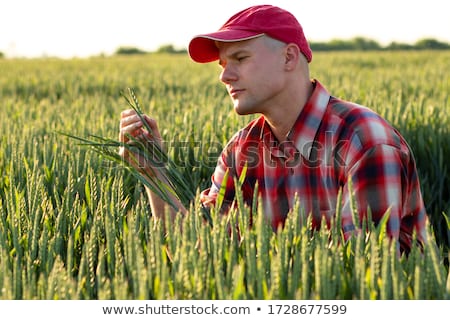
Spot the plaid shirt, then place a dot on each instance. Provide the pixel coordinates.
(331, 143)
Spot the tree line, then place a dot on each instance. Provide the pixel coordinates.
(364, 44)
(357, 43)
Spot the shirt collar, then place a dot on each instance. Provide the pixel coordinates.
(308, 121)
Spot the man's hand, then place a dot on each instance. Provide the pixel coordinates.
(132, 128)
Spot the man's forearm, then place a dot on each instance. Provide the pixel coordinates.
(159, 206)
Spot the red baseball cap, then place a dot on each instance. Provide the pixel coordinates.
(247, 24)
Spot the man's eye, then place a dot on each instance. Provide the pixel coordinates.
(240, 59)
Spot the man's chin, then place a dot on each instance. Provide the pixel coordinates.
(242, 111)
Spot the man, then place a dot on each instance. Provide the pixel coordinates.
(307, 144)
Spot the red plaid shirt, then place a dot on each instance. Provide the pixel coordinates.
(331, 141)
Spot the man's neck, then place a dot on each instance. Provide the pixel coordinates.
(282, 117)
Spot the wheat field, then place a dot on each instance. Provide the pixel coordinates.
(75, 225)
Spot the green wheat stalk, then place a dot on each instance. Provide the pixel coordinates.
(172, 183)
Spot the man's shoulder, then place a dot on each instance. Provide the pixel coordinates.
(351, 111)
(362, 124)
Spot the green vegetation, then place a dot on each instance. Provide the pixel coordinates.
(166, 48)
(129, 50)
(355, 44)
(364, 44)
(75, 225)
(169, 48)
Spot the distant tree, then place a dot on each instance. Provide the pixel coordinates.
(169, 48)
(333, 45)
(360, 43)
(1, 55)
(319, 46)
(432, 44)
(399, 46)
(338, 44)
(129, 50)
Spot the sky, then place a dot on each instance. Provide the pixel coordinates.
(82, 28)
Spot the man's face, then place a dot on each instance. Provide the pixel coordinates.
(253, 72)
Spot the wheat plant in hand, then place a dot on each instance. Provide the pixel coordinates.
(161, 174)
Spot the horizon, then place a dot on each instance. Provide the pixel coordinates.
(179, 49)
(84, 28)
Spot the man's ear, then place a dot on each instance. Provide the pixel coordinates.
(292, 55)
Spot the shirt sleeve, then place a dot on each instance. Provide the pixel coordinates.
(223, 174)
(384, 180)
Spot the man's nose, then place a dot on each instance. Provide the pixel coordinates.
(228, 74)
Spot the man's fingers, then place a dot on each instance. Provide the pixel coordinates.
(125, 121)
(126, 113)
(153, 126)
(130, 125)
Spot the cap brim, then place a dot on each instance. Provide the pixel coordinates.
(202, 48)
